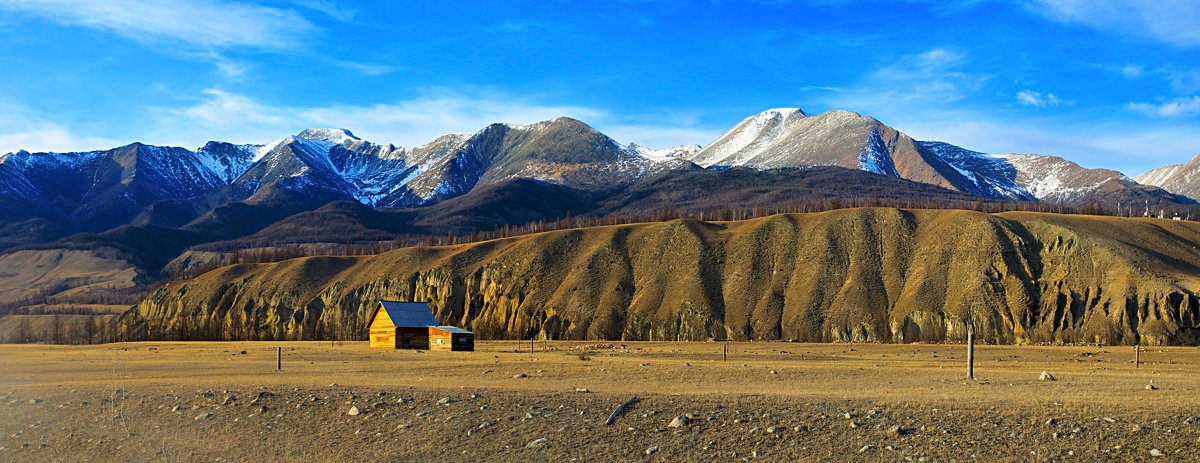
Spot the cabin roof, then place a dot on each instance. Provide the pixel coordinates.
(409, 314)
(453, 329)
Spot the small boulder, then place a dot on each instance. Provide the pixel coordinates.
(537, 443)
(1046, 376)
(679, 422)
(204, 416)
(652, 450)
(520, 375)
(1157, 453)
(353, 411)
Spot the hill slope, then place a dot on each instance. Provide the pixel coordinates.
(869, 274)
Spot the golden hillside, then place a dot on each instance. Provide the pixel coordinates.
(869, 274)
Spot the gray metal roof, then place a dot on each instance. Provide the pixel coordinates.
(453, 329)
(409, 314)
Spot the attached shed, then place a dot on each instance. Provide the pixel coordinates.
(451, 338)
(410, 325)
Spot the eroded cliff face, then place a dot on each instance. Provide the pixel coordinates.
(864, 275)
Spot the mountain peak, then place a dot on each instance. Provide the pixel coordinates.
(784, 112)
(329, 134)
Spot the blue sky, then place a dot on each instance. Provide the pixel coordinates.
(1104, 83)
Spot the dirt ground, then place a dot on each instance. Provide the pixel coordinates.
(765, 402)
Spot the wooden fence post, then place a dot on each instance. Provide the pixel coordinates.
(971, 354)
(278, 358)
(725, 352)
(1137, 355)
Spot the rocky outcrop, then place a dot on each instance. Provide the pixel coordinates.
(859, 275)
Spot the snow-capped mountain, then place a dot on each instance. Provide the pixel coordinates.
(789, 137)
(94, 191)
(1181, 179)
(98, 190)
(1054, 179)
(170, 186)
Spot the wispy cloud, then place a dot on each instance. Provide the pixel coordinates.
(1132, 71)
(1176, 22)
(1037, 100)
(241, 119)
(331, 9)
(1178, 107)
(199, 23)
(933, 76)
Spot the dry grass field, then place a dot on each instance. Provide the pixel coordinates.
(767, 402)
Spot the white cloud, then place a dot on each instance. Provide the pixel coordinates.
(23, 129)
(1176, 22)
(239, 119)
(202, 23)
(1037, 100)
(1178, 107)
(1131, 71)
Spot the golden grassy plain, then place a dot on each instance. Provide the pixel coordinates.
(770, 401)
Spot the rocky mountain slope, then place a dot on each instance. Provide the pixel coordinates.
(868, 274)
(790, 138)
(1183, 179)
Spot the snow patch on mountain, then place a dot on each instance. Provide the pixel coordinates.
(1160, 176)
(754, 136)
(875, 158)
(992, 175)
(1051, 178)
(672, 153)
(334, 135)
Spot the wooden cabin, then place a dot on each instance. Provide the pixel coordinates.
(410, 325)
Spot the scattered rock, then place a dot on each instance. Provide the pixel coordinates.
(1051, 421)
(1046, 376)
(652, 450)
(865, 448)
(774, 372)
(582, 389)
(537, 443)
(1157, 453)
(1138, 428)
(853, 424)
(679, 422)
(800, 428)
(1192, 420)
(203, 416)
(471, 432)
(485, 424)
(445, 401)
(1151, 387)
(353, 411)
(35, 401)
(520, 375)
